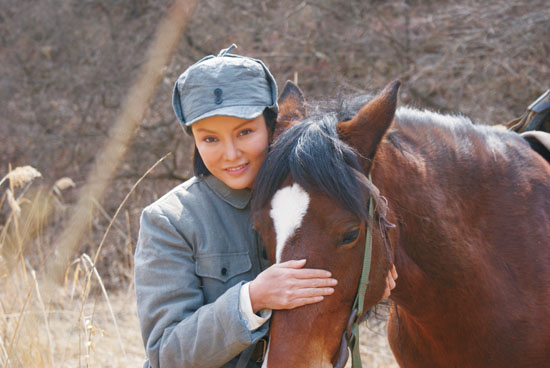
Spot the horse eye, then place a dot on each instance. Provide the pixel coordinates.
(350, 236)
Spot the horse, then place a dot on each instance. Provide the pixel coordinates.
(462, 210)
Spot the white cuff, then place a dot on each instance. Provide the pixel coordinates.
(252, 320)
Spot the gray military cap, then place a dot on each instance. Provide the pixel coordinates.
(226, 84)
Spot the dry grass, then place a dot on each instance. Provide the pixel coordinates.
(73, 331)
(43, 325)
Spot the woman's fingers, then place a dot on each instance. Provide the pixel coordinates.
(387, 290)
(303, 273)
(310, 273)
(295, 263)
(312, 292)
(390, 282)
(305, 301)
(314, 283)
(393, 272)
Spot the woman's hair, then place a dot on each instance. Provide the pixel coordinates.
(199, 168)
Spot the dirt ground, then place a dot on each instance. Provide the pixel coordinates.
(69, 333)
(100, 345)
(374, 348)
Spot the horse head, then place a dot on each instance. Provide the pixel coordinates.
(311, 202)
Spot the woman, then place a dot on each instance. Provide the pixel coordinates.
(203, 285)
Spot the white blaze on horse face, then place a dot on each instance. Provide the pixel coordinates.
(288, 208)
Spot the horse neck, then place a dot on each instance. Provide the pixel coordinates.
(470, 245)
(431, 178)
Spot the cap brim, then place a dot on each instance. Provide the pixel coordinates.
(242, 112)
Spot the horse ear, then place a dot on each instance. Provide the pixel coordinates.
(365, 131)
(291, 107)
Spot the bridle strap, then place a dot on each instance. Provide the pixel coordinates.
(350, 337)
(359, 301)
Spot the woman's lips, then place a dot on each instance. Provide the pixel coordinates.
(236, 170)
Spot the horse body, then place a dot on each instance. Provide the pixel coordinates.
(472, 208)
(471, 205)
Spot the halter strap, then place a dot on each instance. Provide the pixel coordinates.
(359, 301)
(350, 337)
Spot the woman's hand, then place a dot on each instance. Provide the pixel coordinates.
(287, 285)
(390, 282)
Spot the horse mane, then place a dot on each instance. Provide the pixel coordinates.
(457, 138)
(313, 154)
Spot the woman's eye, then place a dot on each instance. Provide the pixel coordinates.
(209, 139)
(350, 236)
(245, 132)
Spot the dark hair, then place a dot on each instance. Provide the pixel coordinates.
(199, 168)
(313, 154)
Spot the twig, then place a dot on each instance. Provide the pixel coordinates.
(93, 263)
(94, 270)
(124, 202)
(18, 323)
(106, 215)
(50, 340)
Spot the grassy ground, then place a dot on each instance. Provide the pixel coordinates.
(71, 332)
(68, 331)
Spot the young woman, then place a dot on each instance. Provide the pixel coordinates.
(203, 285)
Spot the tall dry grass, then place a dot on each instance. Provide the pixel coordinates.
(80, 325)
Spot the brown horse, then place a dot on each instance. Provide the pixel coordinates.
(471, 243)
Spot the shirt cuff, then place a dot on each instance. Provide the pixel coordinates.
(252, 320)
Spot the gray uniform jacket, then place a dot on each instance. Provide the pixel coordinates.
(196, 248)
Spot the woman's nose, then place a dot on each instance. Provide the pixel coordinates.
(231, 150)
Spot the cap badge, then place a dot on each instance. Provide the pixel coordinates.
(218, 93)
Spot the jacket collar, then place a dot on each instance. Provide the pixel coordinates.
(238, 198)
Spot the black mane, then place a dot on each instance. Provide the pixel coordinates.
(315, 157)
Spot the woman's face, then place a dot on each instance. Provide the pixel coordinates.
(232, 149)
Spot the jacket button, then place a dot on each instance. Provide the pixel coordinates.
(218, 100)
(218, 92)
(224, 271)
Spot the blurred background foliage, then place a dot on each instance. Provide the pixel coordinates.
(66, 66)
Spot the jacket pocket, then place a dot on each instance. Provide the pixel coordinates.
(222, 266)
